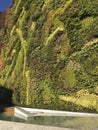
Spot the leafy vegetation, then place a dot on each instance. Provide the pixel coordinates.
(50, 53)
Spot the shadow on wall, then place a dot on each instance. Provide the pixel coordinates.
(5, 98)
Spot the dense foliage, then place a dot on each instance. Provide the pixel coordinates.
(50, 53)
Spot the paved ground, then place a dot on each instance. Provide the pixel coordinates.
(6, 125)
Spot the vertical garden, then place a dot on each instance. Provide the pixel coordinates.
(49, 53)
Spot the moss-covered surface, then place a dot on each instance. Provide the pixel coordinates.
(50, 53)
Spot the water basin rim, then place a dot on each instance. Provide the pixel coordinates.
(42, 112)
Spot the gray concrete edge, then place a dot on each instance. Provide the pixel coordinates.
(8, 125)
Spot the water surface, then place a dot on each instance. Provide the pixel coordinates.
(82, 123)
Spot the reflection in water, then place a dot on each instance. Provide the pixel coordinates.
(81, 123)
